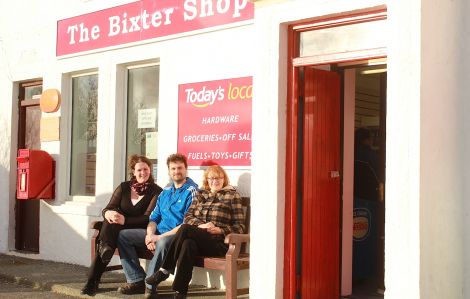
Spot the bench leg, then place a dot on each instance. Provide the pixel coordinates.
(231, 283)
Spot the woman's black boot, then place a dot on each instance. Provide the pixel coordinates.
(106, 252)
(90, 287)
(94, 276)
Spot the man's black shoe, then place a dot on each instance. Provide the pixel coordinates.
(156, 278)
(150, 293)
(179, 296)
(90, 288)
(132, 288)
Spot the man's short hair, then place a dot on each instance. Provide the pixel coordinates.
(178, 157)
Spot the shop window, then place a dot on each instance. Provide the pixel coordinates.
(142, 112)
(32, 92)
(84, 131)
(30, 113)
(341, 38)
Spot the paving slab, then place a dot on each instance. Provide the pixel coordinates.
(68, 279)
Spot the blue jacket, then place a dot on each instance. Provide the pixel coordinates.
(172, 204)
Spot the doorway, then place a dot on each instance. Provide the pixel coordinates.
(27, 211)
(320, 164)
(370, 84)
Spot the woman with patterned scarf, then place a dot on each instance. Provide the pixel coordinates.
(129, 207)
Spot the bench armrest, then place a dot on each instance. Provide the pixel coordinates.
(96, 225)
(235, 242)
(237, 238)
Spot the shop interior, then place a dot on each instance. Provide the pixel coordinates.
(369, 180)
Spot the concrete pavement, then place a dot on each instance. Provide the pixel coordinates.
(11, 290)
(68, 279)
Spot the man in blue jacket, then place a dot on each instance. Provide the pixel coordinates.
(164, 222)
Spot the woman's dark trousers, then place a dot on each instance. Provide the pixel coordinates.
(189, 242)
(109, 234)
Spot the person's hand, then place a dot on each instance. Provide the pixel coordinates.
(206, 226)
(114, 217)
(215, 230)
(119, 219)
(109, 216)
(150, 241)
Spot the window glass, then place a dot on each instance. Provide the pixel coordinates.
(31, 91)
(354, 37)
(142, 113)
(84, 129)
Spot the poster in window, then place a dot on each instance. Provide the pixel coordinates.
(151, 142)
(214, 122)
(146, 118)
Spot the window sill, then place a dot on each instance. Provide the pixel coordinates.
(77, 208)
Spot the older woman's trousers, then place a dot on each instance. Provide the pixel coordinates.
(189, 242)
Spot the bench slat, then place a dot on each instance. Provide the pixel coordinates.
(220, 263)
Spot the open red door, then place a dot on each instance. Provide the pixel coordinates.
(319, 228)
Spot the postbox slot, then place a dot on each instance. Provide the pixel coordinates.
(23, 182)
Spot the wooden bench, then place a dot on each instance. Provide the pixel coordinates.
(236, 258)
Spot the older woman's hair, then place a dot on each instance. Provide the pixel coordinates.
(214, 170)
(133, 160)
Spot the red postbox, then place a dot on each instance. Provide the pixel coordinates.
(36, 175)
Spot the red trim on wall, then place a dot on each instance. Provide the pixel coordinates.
(291, 172)
(342, 19)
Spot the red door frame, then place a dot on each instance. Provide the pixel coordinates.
(291, 281)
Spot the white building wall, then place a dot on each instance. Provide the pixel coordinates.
(402, 217)
(445, 136)
(464, 140)
(28, 51)
(7, 186)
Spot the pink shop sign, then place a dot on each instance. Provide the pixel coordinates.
(214, 122)
(146, 20)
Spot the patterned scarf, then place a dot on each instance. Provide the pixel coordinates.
(139, 188)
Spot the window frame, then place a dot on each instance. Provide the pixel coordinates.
(125, 90)
(68, 185)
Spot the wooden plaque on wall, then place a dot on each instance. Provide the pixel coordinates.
(50, 128)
